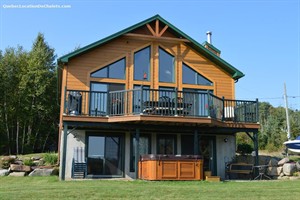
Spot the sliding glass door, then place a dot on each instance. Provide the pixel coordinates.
(105, 156)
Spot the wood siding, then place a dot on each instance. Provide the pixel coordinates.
(80, 67)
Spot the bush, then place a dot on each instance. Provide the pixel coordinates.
(271, 147)
(28, 162)
(50, 158)
(244, 148)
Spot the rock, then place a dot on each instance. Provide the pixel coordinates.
(279, 170)
(273, 171)
(36, 158)
(20, 168)
(41, 172)
(4, 172)
(294, 178)
(283, 161)
(18, 162)
(17, 174)
(289, 169)
(9, 158)
(273, 162)
(298, 165)
(283, 178)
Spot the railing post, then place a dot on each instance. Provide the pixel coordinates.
(65, 101)
(257, 111)
(176, 101)
(107, 103)
(223, 108)
(141, 102)
(208, 104)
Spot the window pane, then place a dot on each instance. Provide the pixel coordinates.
(144, 148)
(190, 76)
(117, 70)
(201, 80)
(137, 95)
(98, 99)
(101, 73)
(114, 70)
(166, 67)
(142, 64)
(166, 144)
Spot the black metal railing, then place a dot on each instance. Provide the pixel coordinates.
(159, 102)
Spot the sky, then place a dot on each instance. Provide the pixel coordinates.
(261, 38)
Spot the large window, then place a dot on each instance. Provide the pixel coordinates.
(198, 99)
(114, 70)
(144, 148)
(140, 97)
(166, 144)
(166, 67)
(190, 76)
(142, 64)
(98, 99)
(105, 157)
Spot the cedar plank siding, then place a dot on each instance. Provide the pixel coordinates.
(80, 67)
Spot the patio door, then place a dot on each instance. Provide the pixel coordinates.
(105, 156)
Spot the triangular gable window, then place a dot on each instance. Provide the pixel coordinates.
(190, 76)
(114, 70)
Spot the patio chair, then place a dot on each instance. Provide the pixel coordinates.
(79, 167)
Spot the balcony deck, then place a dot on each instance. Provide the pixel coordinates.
(149, 106)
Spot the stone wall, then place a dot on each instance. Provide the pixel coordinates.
(13, 166)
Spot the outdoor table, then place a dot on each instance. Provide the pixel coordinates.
(261, 172)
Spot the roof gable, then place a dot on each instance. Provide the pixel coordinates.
(235, 73)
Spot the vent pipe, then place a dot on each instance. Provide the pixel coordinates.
(208, 33)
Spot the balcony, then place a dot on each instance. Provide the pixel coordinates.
(156, 102)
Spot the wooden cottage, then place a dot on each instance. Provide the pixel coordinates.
(150, 93)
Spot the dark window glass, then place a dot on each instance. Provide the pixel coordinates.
(142, 64)
(98, 97)
(187, 144)
(190, 76)
(167, 92)
(114, 70)
(166, 144)
(104, 156)
(166, 67)
(144, 148)
(198, 99)
(137, 95)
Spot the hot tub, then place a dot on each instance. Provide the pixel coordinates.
(170, 167)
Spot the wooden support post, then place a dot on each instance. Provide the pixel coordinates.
(137, 152)
(196, 143)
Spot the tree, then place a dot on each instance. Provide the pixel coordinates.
(28, 109)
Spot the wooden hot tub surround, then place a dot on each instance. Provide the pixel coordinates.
(171, 167)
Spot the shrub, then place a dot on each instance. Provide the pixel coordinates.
(28, 162)
(50, 158)
(244, 148)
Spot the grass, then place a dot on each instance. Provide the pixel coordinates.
(52, 188)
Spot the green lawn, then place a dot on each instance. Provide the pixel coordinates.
(51, 188)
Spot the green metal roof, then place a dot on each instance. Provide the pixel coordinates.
(235, 73)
